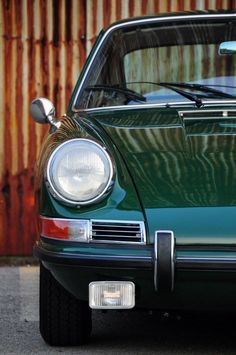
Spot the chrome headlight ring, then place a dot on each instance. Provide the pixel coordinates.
(61, 174)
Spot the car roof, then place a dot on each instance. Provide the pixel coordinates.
(183, 14)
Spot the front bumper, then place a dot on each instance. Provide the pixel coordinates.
(205, 278)
(93, 259)
(214, 258)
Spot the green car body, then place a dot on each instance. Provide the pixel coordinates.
(174, 173)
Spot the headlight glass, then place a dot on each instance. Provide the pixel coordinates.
(79, 171)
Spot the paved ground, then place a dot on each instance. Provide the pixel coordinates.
(113, 333)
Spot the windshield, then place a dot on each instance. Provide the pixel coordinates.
(141, 63)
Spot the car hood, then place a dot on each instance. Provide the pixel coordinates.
(178, 159)
(173, 162)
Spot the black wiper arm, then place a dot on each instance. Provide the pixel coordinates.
(200, 87)
(186, 94)
(131, 94)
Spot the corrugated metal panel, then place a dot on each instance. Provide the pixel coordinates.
(42, 49)
(100, 13)
(43, 44)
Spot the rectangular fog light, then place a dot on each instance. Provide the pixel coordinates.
(111, 295)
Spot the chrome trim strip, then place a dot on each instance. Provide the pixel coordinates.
(93, 260)
(137, 106)
(207, 118)
(60, 197)
(166, 105)
(155, 262)
(205, 259)
(218, 112)
(172, 260)
(143, 21)
(210, 134)
(206, 263)
(218, 102)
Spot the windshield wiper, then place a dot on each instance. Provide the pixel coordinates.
(130, 94)
(186, 94)
(199, 87)
(190, 96)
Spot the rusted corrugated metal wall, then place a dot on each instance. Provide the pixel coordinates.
(101, 13)
(43, 44)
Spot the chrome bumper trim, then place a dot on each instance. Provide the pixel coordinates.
(206, 263)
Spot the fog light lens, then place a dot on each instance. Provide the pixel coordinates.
(112, 295)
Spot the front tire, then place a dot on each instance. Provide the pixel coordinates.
(64, 320)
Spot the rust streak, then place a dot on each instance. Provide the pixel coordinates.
(82, 32)
(21, 238)
(94, 22)
(181, 6)
(69, 48)
(56, 52)
(219, 4)
(156, 6)
(193, 5)
(131, 8)
(118, 9)
(144, 6)
(107, 12)
(6, 188)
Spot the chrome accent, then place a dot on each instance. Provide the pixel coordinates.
(218, 102)
(205, 259)
(172, 256)
(58, 196)
(206, 263)
(201, 114)
(139, 225)
(43, 110)
(205, 103)
(211, 134)
(142, 21)
(155, 261)
(137, 106)
(118, 232)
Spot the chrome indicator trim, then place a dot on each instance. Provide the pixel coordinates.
(108, 231)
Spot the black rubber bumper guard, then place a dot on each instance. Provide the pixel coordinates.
(164, 260)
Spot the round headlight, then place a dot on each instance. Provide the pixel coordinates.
(79, 171)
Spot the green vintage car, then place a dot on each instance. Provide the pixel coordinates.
(136, 184)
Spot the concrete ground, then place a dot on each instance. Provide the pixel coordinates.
(113, 333)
